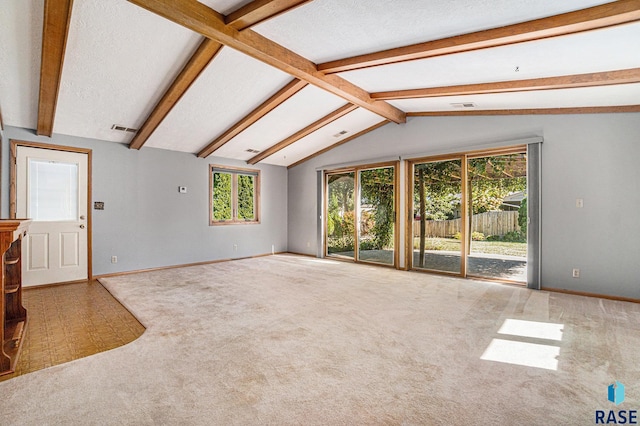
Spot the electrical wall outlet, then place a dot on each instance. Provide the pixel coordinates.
(235, 247)
(114, 259)
(576, 273)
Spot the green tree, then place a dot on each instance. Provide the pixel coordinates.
(523, 216)
(340, 213)
(377, 191)
(493, 178)
(221, 196)
(246, 189)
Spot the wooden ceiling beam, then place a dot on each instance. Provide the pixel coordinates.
(204, 54)
(530, 111)
(205, 21)
(259, 11)
(548, 83)
(337, 144)
(267, 106)
(57, 16)
(606, 15)
(251, 14)
(340, 112)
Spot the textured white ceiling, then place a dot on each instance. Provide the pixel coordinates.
(623, 94)
(593, 51)
(231, 87)
(354, 122)
(120, 59)
(20, 49)
(302, 109)
(325, 30)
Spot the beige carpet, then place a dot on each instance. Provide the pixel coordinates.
(295, 340)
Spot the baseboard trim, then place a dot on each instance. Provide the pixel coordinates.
(586, 294)
(300, 254)
(40, 286)
(183, 265)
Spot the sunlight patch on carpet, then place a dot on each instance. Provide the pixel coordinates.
(522, 353)
(535, 329)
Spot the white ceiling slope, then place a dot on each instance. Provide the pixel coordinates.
(20, 49)
(120, 60)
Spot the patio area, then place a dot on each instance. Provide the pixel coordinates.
(504, 267)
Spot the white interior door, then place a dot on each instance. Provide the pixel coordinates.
(51, 189)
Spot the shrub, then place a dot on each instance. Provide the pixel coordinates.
(515, 237)
(340, 244)
(522, 216)
(475, 236)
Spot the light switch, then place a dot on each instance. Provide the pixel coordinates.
(579, 203)
(182, 189)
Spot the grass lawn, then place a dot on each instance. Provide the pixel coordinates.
(486, 247)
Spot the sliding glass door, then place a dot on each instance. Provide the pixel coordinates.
(437, 216)
(341, 215)
(361, 214)
(498, 211)
(376, 215)
(470, 214)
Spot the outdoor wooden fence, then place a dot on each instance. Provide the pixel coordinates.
(489, 223)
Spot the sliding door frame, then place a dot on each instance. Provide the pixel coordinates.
(356, 191)
(465, 225)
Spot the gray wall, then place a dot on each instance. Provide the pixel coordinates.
(594, 157)
(146, 222)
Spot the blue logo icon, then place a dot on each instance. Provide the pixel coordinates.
(616, 393)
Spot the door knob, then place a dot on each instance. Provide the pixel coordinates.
(81, 226)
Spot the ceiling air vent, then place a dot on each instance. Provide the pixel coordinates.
(343, 132)
(463, 105)
(253, 151)
(123, 128)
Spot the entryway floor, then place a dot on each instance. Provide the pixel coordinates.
(71, 321)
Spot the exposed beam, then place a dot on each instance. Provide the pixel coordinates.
(267, 106)
(337, 144)
(57, 16)
(246, 16)
(548, 83)
(606, 15)
(260, 10)
(205, 21)
(204, 54)
(531, 111)
(346, 109)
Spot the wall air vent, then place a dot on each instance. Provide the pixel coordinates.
(343, 132)
(463, 105)
(253, 151)
(123, 128)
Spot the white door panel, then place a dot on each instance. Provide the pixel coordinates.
(51, 189)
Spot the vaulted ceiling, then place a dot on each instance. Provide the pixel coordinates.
(277, 81)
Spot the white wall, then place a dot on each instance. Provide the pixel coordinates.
(594, 157)
(146, 222)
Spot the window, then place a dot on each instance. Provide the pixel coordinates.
(235, 195)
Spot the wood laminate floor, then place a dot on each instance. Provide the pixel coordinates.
(71, 321)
